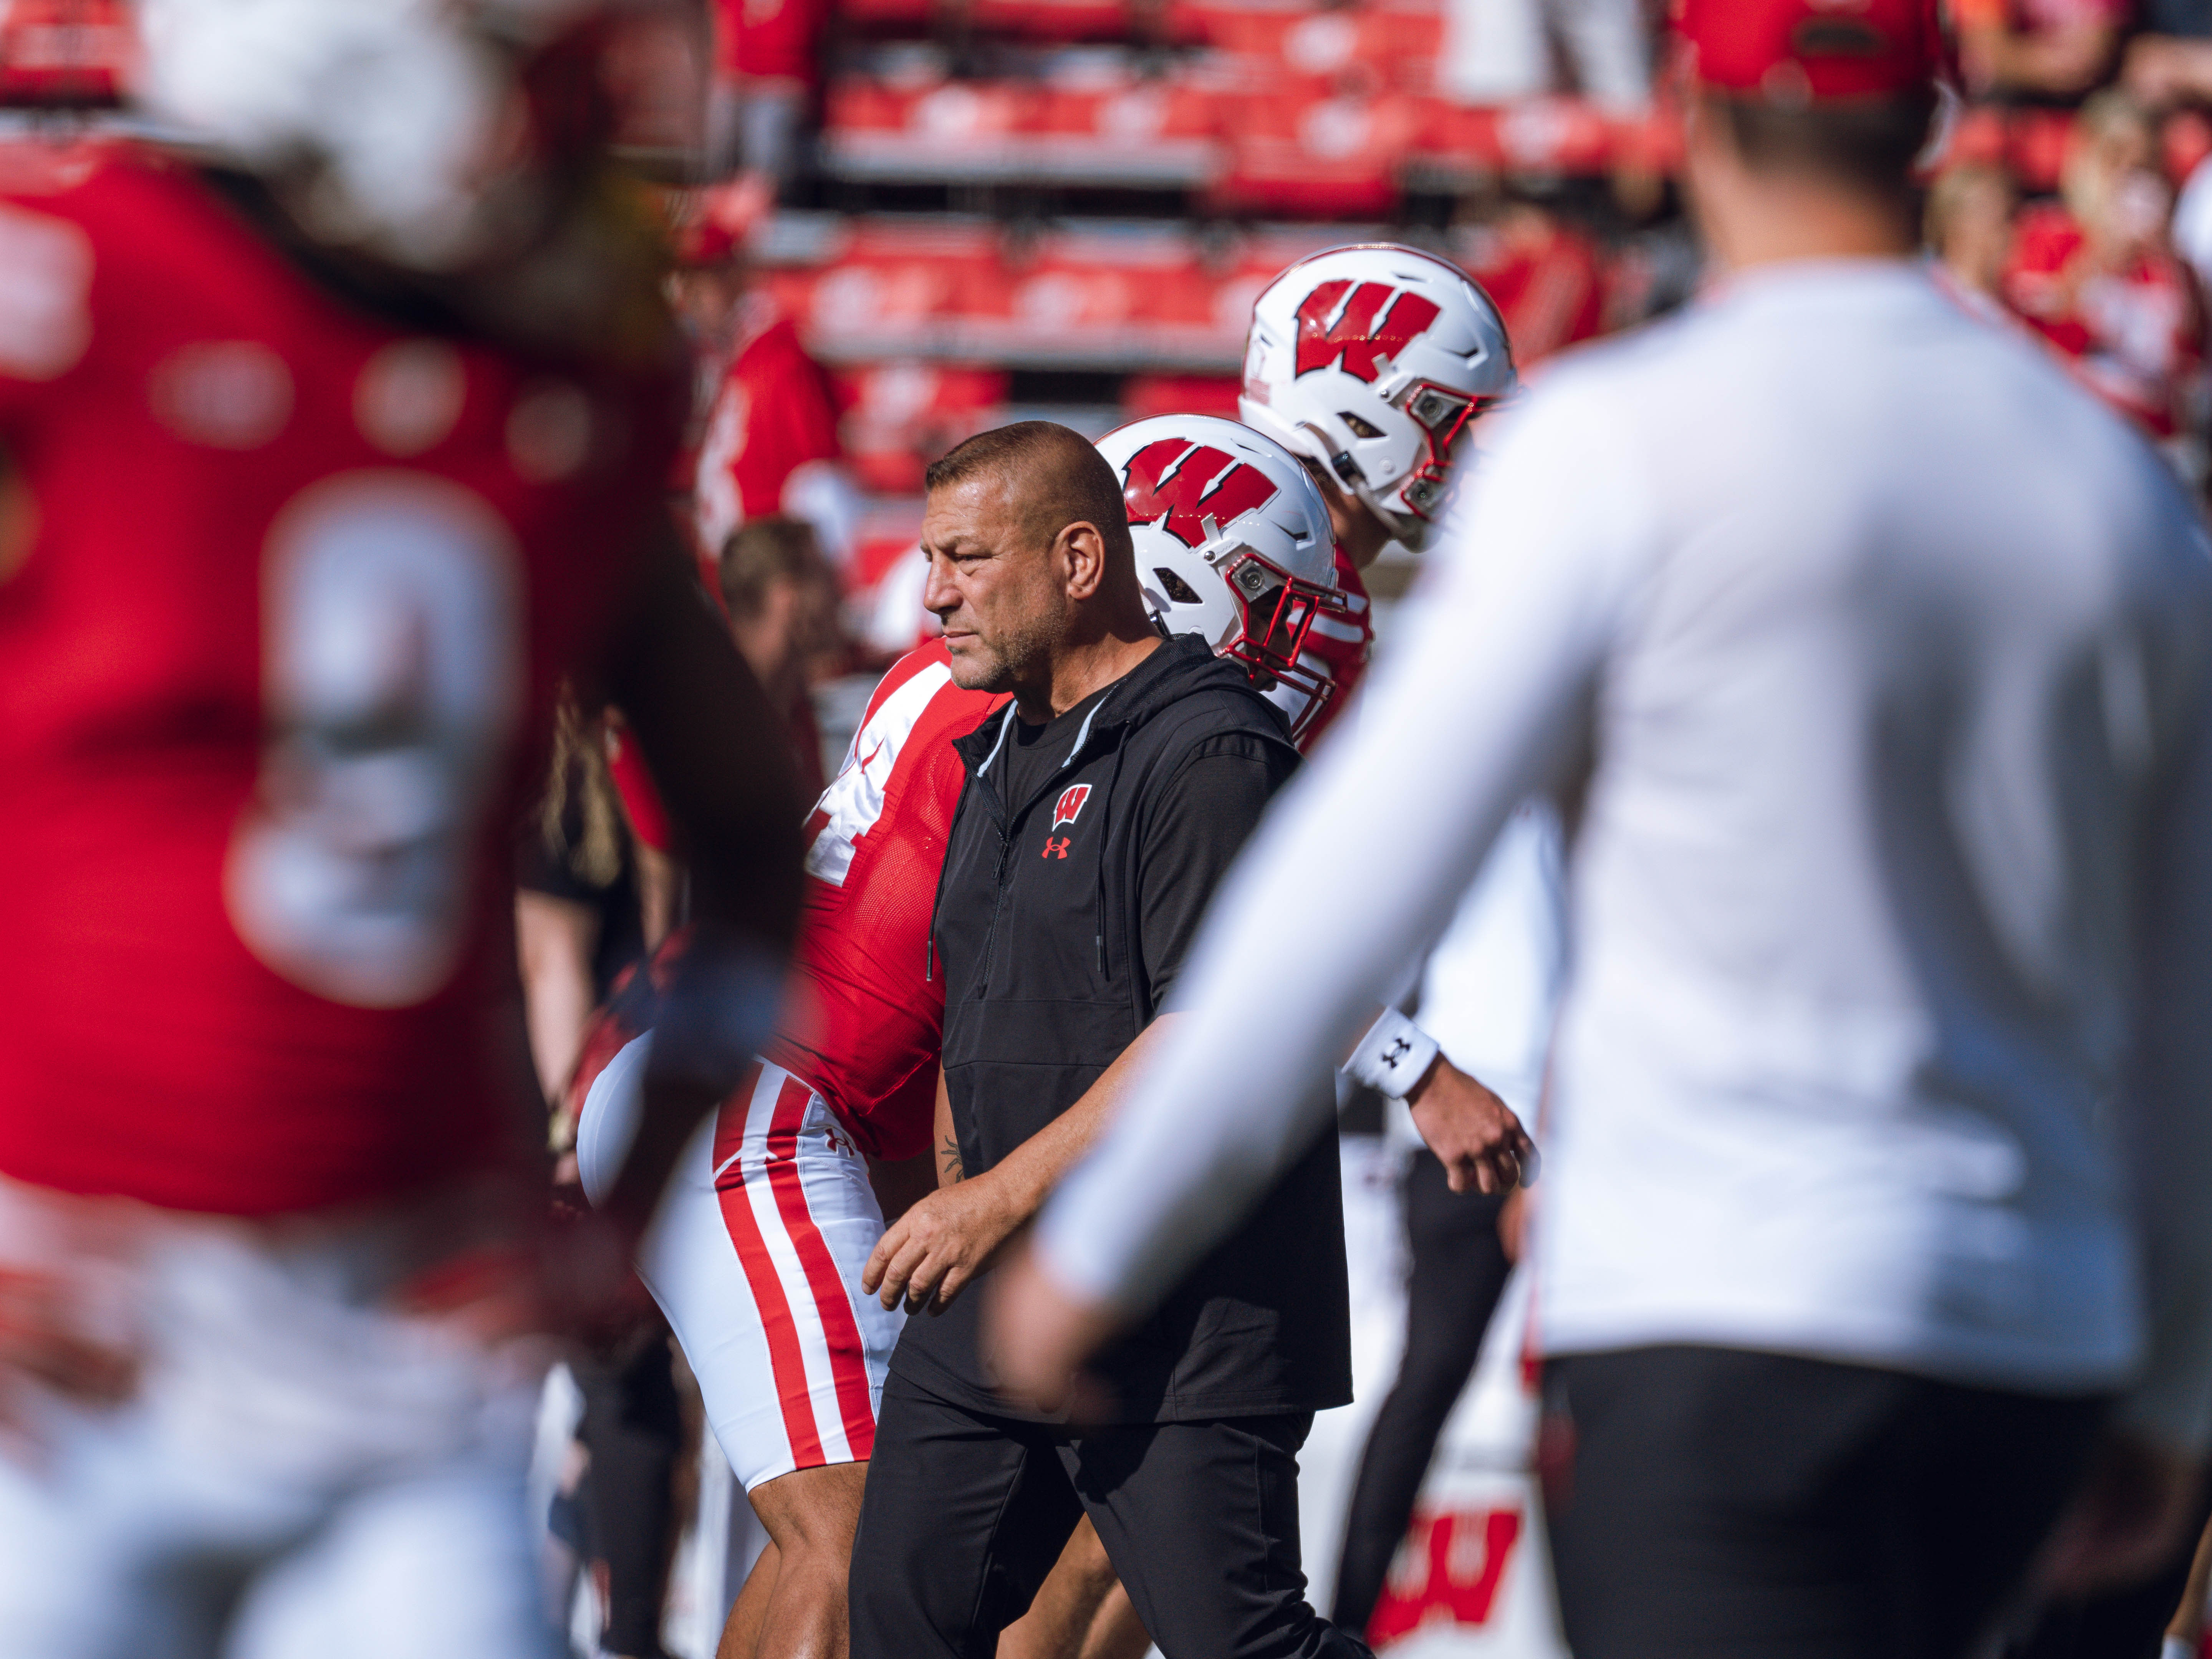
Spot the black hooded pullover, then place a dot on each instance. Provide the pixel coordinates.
(1079, 863)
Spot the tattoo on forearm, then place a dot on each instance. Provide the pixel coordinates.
(948, 1155)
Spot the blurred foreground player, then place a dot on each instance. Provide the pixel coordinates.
(328, 457)
(1873, 1229)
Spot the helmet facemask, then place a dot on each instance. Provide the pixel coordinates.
(1280, 610)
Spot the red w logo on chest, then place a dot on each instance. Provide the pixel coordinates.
(1377, 321)
(1069, 803)
(1204, 484)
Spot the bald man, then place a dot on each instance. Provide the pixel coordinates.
(1098, 813)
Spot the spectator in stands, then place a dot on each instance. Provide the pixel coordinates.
(770, 440)
(768, 70)
(1497, 50)
(2094, 273)
(2052, 50)
(2171, 61)
(782, 600)
(1969, 230)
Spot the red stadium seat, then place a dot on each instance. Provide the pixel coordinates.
(898, 416)
(66, 53)
(1307, 152)
(1372, 46)
(894, 290)
(1053, 19)
(1143, 396)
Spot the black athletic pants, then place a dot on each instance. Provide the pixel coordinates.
(1734, 1505)
(634, 1428)
(2128, 1623)
(965, 1513)
(1457, 1273)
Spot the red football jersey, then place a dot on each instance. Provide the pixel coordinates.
(868, 1045)
(275, 671)
(1341, 646)
(771, 39)
(2133, 336)
(771, 417)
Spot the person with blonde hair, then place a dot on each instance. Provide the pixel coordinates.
(2096, 275)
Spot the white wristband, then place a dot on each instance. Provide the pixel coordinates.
(1394, 1055)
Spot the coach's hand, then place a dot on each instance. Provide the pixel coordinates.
(1473, 1132)
(929, 1255)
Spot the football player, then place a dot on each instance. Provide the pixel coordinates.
(768, 443)
(758, 1252)
(335, 434)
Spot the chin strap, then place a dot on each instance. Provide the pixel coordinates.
(1394, 1055)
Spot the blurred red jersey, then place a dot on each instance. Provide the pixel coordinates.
(1341, 646)
(772, 416)
(274, 668)
(869, 1044)
(770, 39)
(2134, 335)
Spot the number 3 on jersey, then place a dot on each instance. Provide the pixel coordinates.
(391, 683)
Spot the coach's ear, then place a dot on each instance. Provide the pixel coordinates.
(1081, 551)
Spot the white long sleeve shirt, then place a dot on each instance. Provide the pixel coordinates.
(1884, 655)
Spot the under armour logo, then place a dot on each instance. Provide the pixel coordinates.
(1054, 849)
(1398, 1051)
(1373, 320)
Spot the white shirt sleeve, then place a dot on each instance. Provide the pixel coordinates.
(1490, 687)
(2169, 1127)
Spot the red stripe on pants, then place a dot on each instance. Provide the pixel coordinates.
(784, 1359)
(848, 1368)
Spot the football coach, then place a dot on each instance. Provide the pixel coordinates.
(1873, 1236)
(1098, 813)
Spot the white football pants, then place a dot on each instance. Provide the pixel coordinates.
(302, 1473)
(756, 1255)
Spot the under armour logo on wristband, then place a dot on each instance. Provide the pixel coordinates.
(1055, 849)
(1398, 1051)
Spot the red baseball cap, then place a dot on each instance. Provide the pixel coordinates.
(1796, 51)
(711, 225)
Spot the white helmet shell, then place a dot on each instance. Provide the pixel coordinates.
(1372, 360)
(398, 105)
(1233, 544)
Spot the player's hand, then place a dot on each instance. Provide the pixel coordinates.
(1037, 1333)
(1473, 1132)
(41, 1340)
(929, 1255)
(46, 1348)
(2129, 1517)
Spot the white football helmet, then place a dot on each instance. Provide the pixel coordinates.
(396, 115)
(1234, 544)
(1372, 360)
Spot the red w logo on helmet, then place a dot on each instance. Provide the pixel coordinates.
(1378, 320)
(1204, 484)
